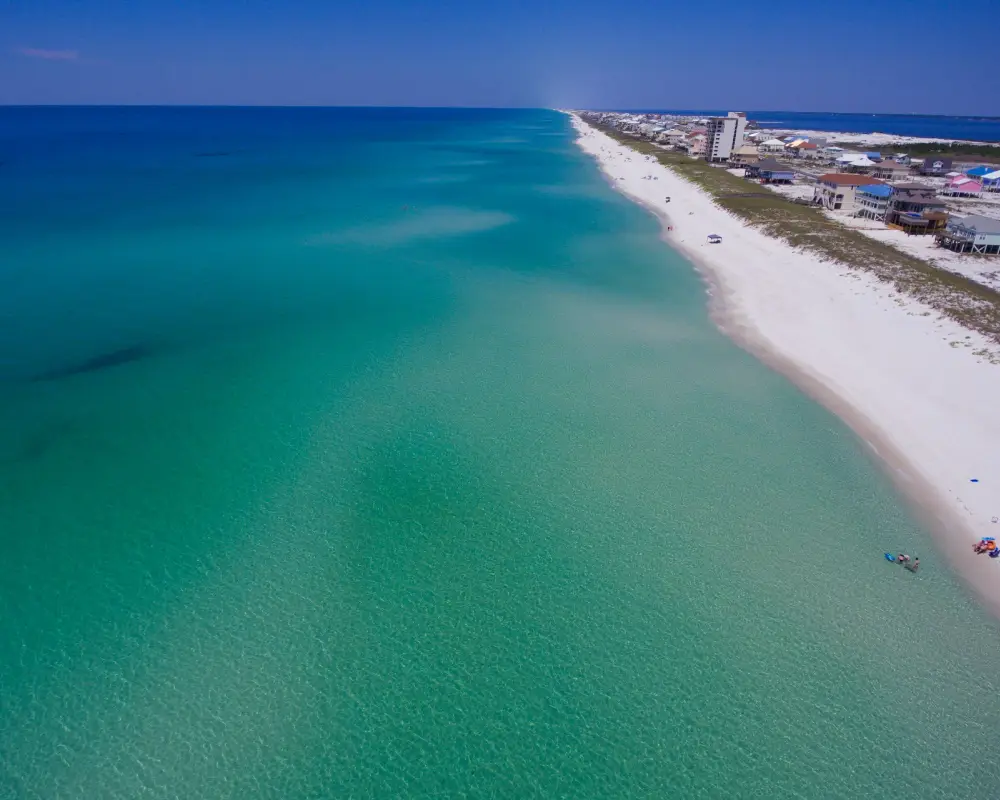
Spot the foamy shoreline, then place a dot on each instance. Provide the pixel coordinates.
(904, 378)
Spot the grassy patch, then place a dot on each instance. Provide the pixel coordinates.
(970, 303)
(988, 154)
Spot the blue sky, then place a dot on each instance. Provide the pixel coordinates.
(805, 56)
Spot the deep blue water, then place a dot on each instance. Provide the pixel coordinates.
(982, 129)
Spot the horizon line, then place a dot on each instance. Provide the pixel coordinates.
(985, 117)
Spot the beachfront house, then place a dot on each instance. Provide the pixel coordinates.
(919, 224)
(836, 190)
(991, 181)
(916, 197)
(936, 166)
(889, 171)
(872, 202)
(971, 234)
(960, 186)
(769, 171)
(909, 206)
(916, 209)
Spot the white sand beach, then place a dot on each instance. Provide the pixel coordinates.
(914, 385)
(875, 138)
(982, 270)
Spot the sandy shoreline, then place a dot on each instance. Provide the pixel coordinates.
(905, 379)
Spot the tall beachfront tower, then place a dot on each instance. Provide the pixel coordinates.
(724, 135)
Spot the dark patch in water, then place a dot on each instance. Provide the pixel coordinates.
(215, 153)
(40, 442)
(104, 361)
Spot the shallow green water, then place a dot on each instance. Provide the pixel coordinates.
(466, 498)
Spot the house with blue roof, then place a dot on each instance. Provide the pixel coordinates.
(872, 202)
(979, 172)
(911, 207)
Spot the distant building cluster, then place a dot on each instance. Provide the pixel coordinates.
(895, 190)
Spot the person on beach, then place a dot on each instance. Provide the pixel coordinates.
(916, 563)
(902, 558)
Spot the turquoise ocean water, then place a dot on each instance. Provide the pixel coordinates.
(389, 453)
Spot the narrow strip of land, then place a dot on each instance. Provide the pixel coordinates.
(957, 297)
(902, 351)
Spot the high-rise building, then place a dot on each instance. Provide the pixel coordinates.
(724, 135)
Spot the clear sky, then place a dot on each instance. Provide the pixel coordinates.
(915, 56)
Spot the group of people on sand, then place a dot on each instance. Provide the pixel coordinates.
(904, 559)
(987, 545)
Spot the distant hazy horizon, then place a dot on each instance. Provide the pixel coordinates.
(580, 54)
(723, 109)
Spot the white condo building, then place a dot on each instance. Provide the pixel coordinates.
(724, 135)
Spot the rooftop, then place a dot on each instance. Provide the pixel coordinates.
(770, 165)
(980, 224)
(846, 179)
(876, 190)
(917, 193)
